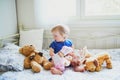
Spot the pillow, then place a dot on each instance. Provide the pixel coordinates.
(32, 37)
(11, 59)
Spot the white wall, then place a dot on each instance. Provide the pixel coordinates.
(93, 37)
(8, 21)
(25, 10)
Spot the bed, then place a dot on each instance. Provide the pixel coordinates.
(69, 74)
(11, 65)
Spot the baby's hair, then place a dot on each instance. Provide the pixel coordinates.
(62, 29)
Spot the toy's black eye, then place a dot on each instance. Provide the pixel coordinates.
(32, 57)
(40, 53)
(30, 45)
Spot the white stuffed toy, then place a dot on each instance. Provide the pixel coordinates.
(66, 50)
(61, 62)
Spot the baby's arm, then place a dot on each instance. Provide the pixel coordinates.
(72, 47)
(51, 53)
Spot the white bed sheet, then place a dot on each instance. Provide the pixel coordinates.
(69, 74)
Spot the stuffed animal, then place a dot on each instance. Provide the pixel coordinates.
(77, 64)
(75, 60)
(34, 59)
(35, 66)
(27, 50)
(84, 53)
(95, 63)
(60, 63)
(27, 60)
(39, 58)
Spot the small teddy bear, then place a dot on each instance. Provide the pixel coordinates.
(95, 63)
(34, 59)
(27, 60)
(39, 58)
(35, 66)
(30, 63)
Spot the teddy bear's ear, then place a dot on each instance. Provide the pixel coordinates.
(95, 62)
(40, 53)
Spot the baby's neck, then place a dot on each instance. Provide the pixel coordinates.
(61, 40)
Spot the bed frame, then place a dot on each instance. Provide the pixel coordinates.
(14, 38)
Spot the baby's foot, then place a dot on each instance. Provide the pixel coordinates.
(56, 71)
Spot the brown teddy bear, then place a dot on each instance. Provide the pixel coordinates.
(27, 50)
(35, 66)
(34, 59)
(39, 58)
(27, 60)
(95, 63)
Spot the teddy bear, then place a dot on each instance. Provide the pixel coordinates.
(39, 58)
(35, 66)
(30, 63)
(34, 59)
(27, 60)
(27, 50)
(95, 62)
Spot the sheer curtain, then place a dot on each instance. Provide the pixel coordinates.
(54, 11)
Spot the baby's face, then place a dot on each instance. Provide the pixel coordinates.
(57, 36)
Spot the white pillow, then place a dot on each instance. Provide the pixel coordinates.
(32, 37)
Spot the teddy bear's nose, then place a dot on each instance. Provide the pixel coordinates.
(30, 45)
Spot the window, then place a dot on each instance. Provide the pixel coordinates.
(107, 9)
(63, 11)
(57, 11)
(102, 7)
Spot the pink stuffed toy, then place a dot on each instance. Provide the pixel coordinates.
(77, 64)
(58, 62)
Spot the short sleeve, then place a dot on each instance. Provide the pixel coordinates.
(69, 42)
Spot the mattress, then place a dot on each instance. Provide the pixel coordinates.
(69, 74)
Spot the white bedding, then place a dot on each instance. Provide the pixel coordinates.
(69, 74)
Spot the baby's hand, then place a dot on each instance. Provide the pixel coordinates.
(65, 50)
